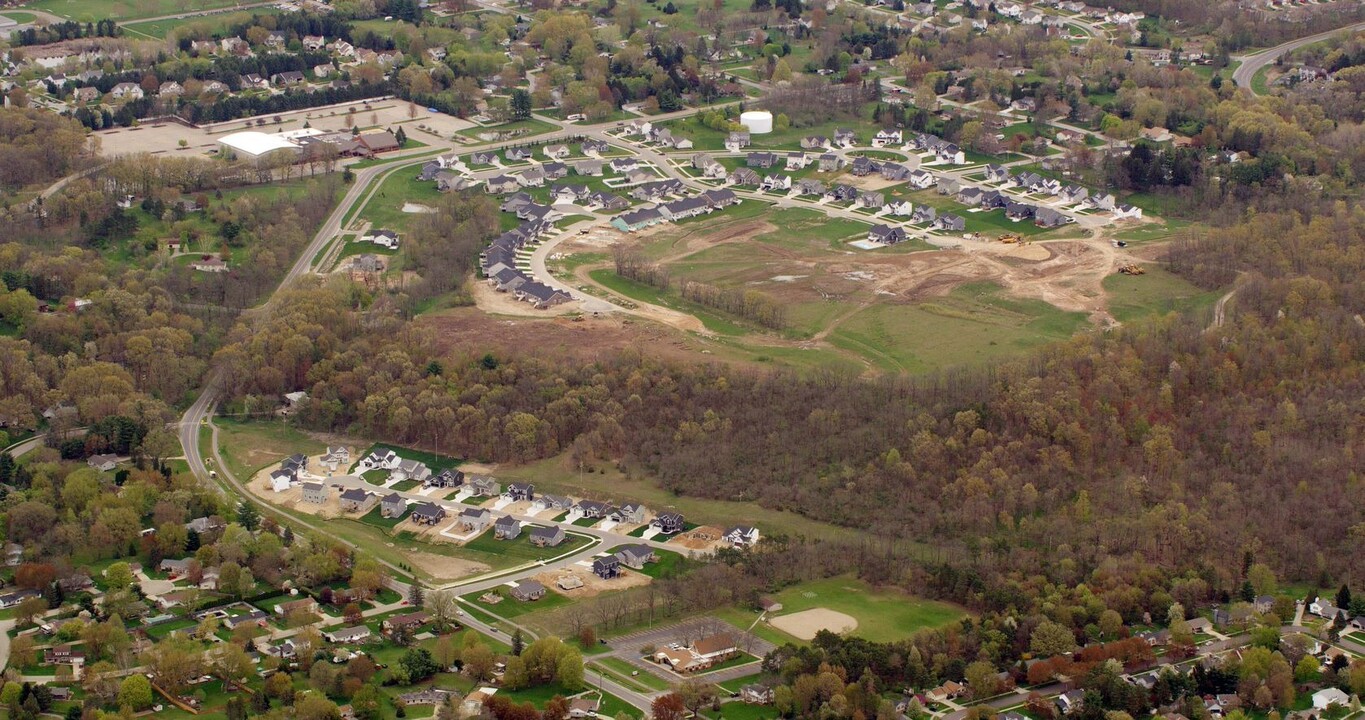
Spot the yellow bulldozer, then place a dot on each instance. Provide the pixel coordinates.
(1010, 239)
(1133, 270)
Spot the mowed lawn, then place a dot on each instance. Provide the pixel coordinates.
(883, 615)
(123, 10)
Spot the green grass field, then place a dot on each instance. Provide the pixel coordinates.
(511, 607)
(124, 10)
(248, 446)
(163, 28)
(19, 16)
(1156, 293)
(975, 323)
(885, 616)
(385, 207)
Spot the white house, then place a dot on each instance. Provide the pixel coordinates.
(1328, 697)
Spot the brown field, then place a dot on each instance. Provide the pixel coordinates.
(442, 567)
(706, 537)
(592, 585)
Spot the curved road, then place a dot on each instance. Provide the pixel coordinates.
(1252, 64)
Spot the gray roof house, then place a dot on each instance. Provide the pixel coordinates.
(475, 519)
(314, 493)
(428, 513)
(357, 500)
(635, 556)
(393, 505)
(633, 513)
(507, 528)
(528, 590)
(547, 536)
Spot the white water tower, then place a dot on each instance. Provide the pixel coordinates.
(757, 122)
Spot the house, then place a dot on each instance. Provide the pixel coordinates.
(814, 142)
(323, 70)
(844, 137)
(383, 238)
(475, 520)
(894, 172)
(350, 635)
(588, 167)
(719, 199)
(1049, 218)
(174, 568)
(528, 591)
(507, 528)
(281, 480)
(737, 140)
(797, 160)
(625, 164)
(288, 78)
(970, 196)
(776, 183)
(606, 567)
(810, 187)
(517, 154)
(756, 694)
(127, 91)
(842, 192)
(408, 622)
(314, 42)
(885, 234)
(998, 174)
(428, 513)
(411, 470)
(484, 486)
(555, 170)
(709, 166)
(1123, 211)
(948, 186)
(745, 176)
(63, 654)
(103, 463)
(500, 184)
(763, 160)
(170, 88)
(547, 536)
(1073, 194)
(633, 513)
(668, 523)
(583, 707)
(594, 147)
(863, 166)
(608, 202)
(702, 654)
(9, 600)
(252, 81)
(87, 95)
(532, 177)
(635, 556)
(900, 208)
(871, 200)
(557, 151)
(1070, 701)
(1323, 607)
(483, 157)
(924, 215)
(829, 162)
(426, 696)
(14, 554)
(357, 501)
(637, 220)
(314, 493)
(1327, 697)
(449, 477)
(393, 505)
(1019, 211)
(1200, 625)
(949, 222)
(887, 137)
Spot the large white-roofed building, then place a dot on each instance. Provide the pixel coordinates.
(251, 145)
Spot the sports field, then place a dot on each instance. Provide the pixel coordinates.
(881, 615)
(125, 10)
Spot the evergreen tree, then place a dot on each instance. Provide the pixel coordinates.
(415, 595)
(247, 516)
(521, 104)
(517, 642)
(1344, 597)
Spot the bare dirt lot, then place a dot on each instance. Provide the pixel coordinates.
(442, 567)
(592, 584)
(807, 623)
(705, 537)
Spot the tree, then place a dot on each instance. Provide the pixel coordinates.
(669, 706)
(247, 516)
(135, 692)
(30, 609)
(518, 644)
(1344, 597)
(1050, 638)
(415, 596)
(1111, 624)
(478, 661)
(557, 708)
(1260, 575)
(980, 677)
(366, 702)
(418, 663)
(521, 104)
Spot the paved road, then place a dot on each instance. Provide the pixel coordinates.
(1251, 64)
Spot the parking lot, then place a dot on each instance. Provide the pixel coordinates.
(630, 647)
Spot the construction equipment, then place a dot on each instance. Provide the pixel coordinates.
(1010, 239)
(1133, 270)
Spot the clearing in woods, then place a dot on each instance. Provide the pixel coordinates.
(906, 308)
(882, 615)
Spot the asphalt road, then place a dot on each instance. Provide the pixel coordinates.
(1251, 64)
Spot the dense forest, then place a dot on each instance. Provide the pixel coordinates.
(1097, 447)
